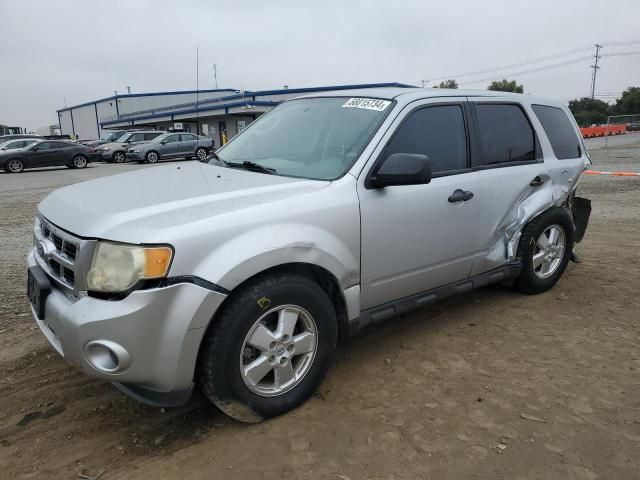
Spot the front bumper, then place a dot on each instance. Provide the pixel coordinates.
(159, 330)
(106, 155)
(134, 156)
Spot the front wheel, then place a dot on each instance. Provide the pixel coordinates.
(201, 153)
(14, 166)
(269, 348)
(79, 161)
(119, 157)
(151, 157)
(544, 250)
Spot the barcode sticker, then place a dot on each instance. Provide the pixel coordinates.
(367, 104)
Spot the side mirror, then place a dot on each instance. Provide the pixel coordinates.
(401, 169)
(35, 149)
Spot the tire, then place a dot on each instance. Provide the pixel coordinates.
(79, 161)
(14, 165)
(541, 273)
(201, 153)
(152, 157)
(248, 314)
(119, 157)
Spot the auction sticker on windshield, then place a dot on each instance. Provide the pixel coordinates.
(367, 104)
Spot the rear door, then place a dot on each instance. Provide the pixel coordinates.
(188, 144)
(61, 153)
(508, 167)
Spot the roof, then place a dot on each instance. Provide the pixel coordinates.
(407, 95)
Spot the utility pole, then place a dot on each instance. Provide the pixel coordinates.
(215, 75)
(595, 71)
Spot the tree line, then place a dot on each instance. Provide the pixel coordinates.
(587, 111)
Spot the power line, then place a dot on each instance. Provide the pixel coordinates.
(514, 65)
(532, 70)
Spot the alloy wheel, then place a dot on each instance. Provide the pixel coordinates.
(278, 350)
(548, 251)
(15, 166)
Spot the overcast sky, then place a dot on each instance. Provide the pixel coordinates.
(84, 50)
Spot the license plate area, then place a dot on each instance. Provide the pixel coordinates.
(38, 289)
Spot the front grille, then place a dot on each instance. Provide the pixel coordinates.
(64, 254)
(64, 246)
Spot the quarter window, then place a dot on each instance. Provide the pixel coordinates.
(505, 135)
(437, 132)
(559, 130)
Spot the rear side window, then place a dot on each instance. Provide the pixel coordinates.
(505, 135)
(437, 132)
(559, 130)
(151, 136)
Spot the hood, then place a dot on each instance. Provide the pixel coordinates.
(114, 145)
(131, 207)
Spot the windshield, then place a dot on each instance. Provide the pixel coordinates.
(111, 137)
(123, 138)
(317, 138)
(160, 138)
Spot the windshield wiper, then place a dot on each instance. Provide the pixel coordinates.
(253, 167)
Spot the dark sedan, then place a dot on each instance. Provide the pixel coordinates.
(49, 153)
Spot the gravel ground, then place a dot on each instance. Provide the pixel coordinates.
(492, 384)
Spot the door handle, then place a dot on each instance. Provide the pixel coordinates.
(460, 196)
(537, 181)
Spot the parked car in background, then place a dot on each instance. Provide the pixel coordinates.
(633, 127)
(106, 138)
(116, 151)
(47, 153)
(172, 145)
(4, 138)
(15, 144)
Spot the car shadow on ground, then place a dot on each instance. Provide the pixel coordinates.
(148, 428)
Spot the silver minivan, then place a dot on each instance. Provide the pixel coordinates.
(241, 274)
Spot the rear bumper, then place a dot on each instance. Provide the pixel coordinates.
(154, 336)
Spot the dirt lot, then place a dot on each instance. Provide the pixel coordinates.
(492, 385)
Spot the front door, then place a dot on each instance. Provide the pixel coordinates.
(418, 237)
(171, 146)
(39, 155)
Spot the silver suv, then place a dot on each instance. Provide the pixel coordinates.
(117, 151)
(330, 213)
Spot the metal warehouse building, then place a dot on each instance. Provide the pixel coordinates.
(219, 114)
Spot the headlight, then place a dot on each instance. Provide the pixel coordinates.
(104, 149)
(135, 150)
(117, 267)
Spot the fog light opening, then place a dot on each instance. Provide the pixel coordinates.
(106, 356)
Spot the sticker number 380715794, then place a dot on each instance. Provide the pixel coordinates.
(367, 104)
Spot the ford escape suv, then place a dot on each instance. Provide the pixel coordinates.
(239, 274)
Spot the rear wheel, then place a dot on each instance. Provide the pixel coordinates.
(119, 157)
(269, 347)
(201, 153)
(544, 249)
(151, 157)
(14, 166)
(79, 161)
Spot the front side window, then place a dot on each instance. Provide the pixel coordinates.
(505, 135)
(317, 138)
(437, 132)
(172, 139)
(563, 138)
(44, 146)
(187, 138)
